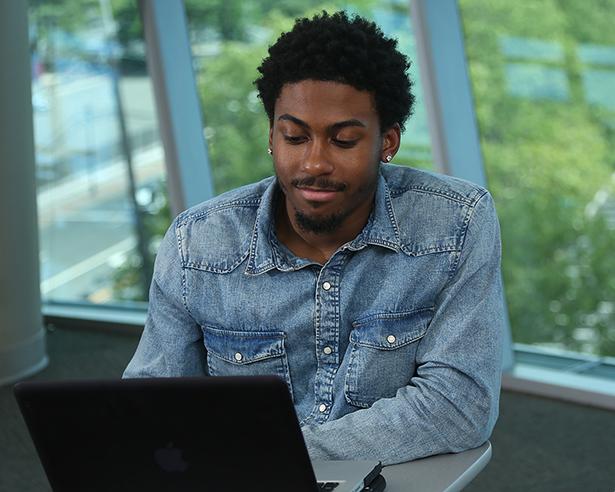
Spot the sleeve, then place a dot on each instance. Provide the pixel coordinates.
(451, 404)
(171, 344)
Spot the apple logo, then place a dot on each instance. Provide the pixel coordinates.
(170, 459)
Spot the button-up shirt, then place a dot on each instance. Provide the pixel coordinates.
(391, 349)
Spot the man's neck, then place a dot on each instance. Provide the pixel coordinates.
(318, 247)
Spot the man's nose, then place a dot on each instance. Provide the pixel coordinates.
(316, 159)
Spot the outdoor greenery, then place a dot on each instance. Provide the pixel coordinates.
(548, 142)
(542, 75)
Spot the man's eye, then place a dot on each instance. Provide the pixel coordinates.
(294, 140)
(345, 144)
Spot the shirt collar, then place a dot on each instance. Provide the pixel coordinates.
(266, 253)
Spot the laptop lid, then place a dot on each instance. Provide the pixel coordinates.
(170, 434)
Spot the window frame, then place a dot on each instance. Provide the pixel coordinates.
(455, 147)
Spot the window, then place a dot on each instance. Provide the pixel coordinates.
(102, 202)
(542, 75)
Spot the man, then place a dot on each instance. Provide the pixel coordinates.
(372, 290)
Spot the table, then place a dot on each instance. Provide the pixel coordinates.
(441, 473)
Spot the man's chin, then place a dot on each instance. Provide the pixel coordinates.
(319, 224)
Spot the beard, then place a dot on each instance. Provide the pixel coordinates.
(320, 225)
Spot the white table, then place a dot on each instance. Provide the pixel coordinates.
(441, 473)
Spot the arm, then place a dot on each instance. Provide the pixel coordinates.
(451, 404)
(171, 344)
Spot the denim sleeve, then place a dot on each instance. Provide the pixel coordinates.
(171, 344)
(451, 404)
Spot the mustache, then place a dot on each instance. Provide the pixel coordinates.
(319, 183)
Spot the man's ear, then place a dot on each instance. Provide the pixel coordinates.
(391, 140)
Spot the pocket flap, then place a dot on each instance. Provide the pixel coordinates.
(243, 347)
(388, 331)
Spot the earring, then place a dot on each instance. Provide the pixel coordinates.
(270, 152)
(388, 158)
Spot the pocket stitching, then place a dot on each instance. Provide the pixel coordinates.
(347, 390)
(279, 353)
(354, 397)
(276, 344)
(389, 347)
(362, 321)
(279, 337)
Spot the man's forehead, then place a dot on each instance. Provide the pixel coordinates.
(330, 101)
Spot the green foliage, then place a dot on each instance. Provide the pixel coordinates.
(235, 125)
(548, 162)
(127, 282)
(128, 21)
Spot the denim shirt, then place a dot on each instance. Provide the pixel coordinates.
(391, 349)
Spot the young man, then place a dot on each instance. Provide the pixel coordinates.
(372, 290)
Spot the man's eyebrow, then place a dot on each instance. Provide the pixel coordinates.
(344, 124)
(335, 126)
(296, 121)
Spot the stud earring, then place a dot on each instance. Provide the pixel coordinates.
(388, 158)
(270, 152)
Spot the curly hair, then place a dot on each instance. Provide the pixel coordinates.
(339, 48)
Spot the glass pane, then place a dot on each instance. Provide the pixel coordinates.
(229, 39)
(100, 166)
(543, 75)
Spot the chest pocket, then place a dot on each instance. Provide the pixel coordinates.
(246, 353)
(383, 354)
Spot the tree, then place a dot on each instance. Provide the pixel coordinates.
(549, 152)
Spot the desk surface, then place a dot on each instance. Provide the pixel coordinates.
(441, 473)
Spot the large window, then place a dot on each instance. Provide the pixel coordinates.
(543, 75)
(100, 166)
(229, 39)
(102, 194)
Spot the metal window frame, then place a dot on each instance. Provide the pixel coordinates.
(449, 103)
(169, 61)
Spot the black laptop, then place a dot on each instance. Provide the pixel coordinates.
(178, 434)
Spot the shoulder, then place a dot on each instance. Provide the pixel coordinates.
(432, 210)
(410, 183)
(239, 199)
(215, 235)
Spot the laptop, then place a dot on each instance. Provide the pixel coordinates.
(179, 434)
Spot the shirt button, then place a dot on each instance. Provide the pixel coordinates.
(326, 286)
(327, 350)
(391, 339)
(322, 408)
(238, 356)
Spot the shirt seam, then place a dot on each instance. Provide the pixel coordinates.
(239, 203)
(456, 197)
(464, 235)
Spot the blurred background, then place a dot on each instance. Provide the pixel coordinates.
(542, 76)
(541, 81)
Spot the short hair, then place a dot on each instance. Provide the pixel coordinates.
(339, 48)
